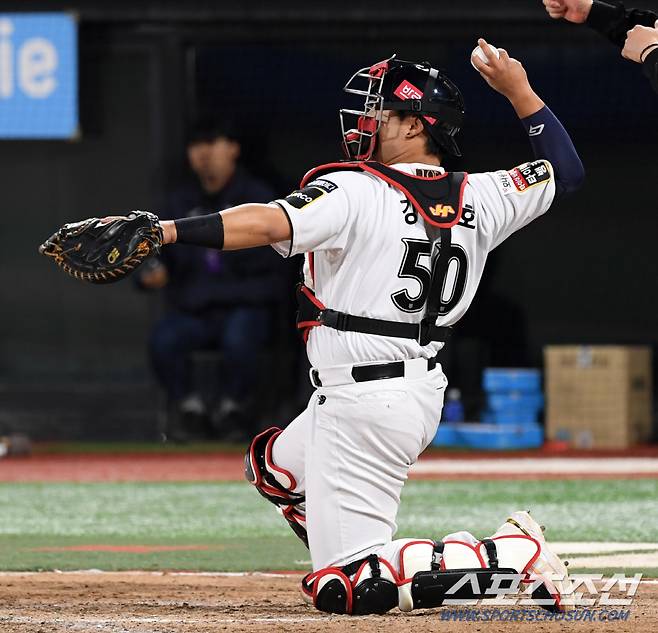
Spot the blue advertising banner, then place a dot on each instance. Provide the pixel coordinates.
(38, 76)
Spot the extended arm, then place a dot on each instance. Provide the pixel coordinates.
(244, 226)
(548, 138)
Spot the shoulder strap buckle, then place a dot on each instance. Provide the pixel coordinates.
(334, 319)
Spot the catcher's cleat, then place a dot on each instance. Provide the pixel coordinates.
(548, 567)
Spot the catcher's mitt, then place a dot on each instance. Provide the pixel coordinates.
(105, 252)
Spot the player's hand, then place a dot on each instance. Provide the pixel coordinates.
(639, 42)
(575, 11)
(504, 74)
(508, 77)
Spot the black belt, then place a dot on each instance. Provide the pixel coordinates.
(363, 373)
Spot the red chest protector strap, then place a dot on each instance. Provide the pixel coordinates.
(438, 200)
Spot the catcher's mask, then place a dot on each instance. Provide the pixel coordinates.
(408, 87)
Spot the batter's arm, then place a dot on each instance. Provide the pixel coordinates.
(244, 226)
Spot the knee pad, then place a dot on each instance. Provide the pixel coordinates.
(364, 587)
(274, 483)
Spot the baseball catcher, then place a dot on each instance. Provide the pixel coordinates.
(394, 250)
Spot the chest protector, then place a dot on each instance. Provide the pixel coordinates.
(438, 199)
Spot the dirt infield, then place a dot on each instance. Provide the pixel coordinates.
(172, 603)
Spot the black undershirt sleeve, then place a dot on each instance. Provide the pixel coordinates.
(612, 20)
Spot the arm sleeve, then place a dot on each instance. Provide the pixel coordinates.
(650, 68)
(550, 141)
(506, 201)
(612, 20)
(320, 214)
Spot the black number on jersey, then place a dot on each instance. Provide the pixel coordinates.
(454, 276)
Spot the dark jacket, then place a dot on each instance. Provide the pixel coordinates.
(612, 20)
(203, 280)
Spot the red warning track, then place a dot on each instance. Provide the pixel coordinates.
(132, 549)
(642, 463)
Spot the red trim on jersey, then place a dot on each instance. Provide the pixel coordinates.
(311, 266)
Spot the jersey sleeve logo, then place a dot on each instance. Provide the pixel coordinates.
(310, 193)
(530, 174)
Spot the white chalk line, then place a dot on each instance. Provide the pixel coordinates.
(539, 466)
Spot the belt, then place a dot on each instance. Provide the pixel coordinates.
(346, 374)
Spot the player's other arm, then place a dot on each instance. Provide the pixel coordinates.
(608, 17)
(549, 140)
(244, 226)
(635, 31)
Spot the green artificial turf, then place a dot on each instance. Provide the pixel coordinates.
(240, 531)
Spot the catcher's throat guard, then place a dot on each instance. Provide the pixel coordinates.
(104, 252)
(406, 87)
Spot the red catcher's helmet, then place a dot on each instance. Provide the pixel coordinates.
(410, 87)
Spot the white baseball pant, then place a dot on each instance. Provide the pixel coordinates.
(350, 452)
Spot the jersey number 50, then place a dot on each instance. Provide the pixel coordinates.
(454, 276)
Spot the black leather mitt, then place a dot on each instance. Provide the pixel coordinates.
(105, 252)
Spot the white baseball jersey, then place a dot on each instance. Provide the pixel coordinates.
(372, 253)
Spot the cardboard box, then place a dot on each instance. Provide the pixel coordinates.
(599, 396)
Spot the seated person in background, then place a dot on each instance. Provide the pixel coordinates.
(214, 299)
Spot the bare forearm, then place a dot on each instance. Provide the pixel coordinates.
(252, 225)
(526, 103)
(245, 226)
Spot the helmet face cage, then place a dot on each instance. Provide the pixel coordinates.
(359, 127)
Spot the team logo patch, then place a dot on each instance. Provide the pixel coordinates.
(406, 90)
(327, 185)
(506, 182)
(442, 210)
(303, 197)
(530, 174)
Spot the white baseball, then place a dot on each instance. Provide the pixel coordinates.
(480, 53)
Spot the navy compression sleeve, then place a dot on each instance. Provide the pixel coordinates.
(551, 141)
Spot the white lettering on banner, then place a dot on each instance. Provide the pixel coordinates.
(37, 62)
(6, 60)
